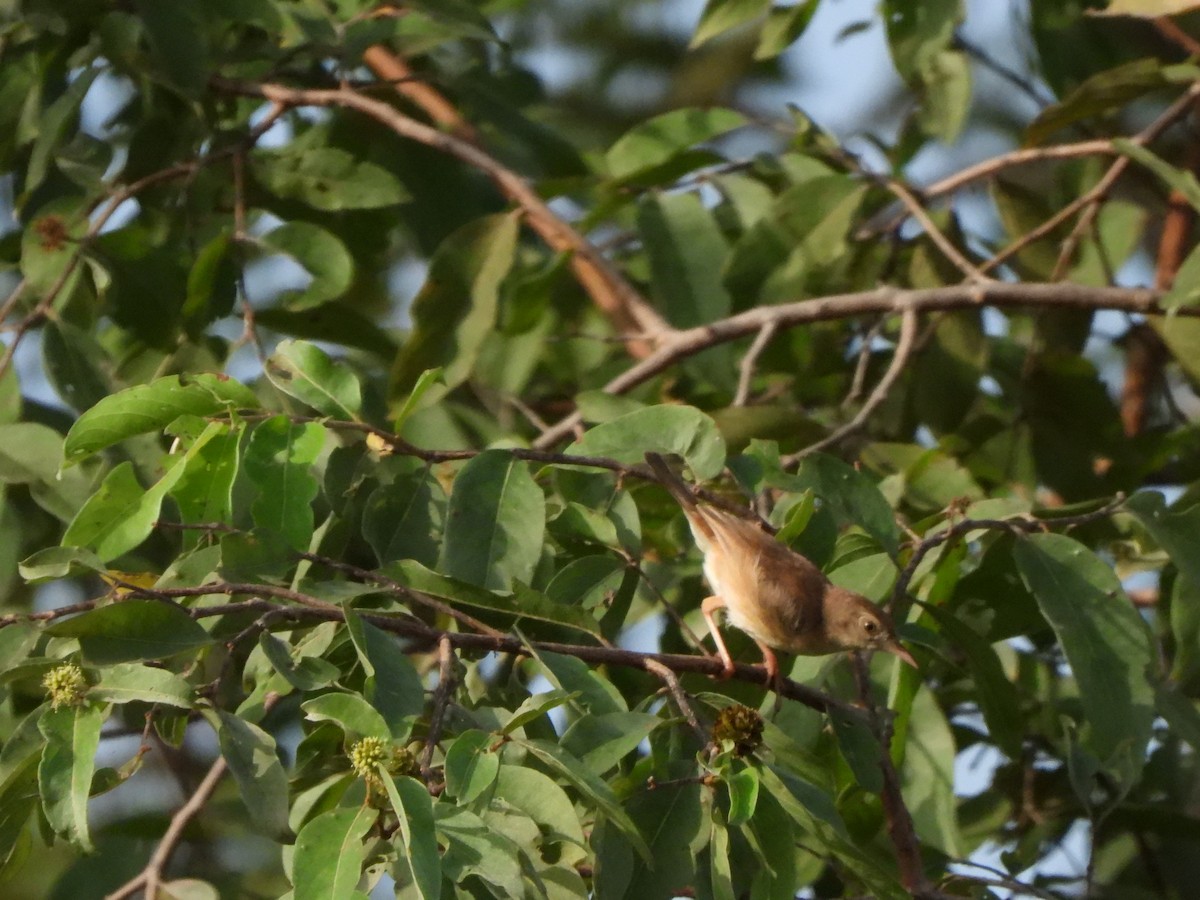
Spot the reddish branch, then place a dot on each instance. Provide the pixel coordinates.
(609, 290)
(1002, 295)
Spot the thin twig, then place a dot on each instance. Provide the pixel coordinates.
(1017, 524)
(1152, 131)
(904, 346)
(152, 874)
(749, 361)
(441, 699)
(1002, 295)
(654, 667)
(899, 820)
(969, 270)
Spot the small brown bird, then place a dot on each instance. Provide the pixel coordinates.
(772, 593)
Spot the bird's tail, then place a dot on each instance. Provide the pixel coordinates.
(672, 482)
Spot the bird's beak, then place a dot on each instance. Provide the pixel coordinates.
(897, 649)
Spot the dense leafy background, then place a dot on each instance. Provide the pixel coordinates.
(334, 338)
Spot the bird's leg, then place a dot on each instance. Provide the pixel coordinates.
(774, 676)
(709, 607)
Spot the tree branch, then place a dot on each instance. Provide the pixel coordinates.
(904, 348)
(1002, 295)
(612, 294)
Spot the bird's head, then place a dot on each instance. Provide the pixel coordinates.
(855, 623)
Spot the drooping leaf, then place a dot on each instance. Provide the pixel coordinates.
(321, 254)
(494, 522)
(255, 766)
(278, 461)
(1105, 641)
(456, 309)
(330, 853)
(521, 603)
(65, 772)
(410, 800)
(393, 686)
(402, 519)
(354, 714)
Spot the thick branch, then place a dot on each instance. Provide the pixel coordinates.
(611, 293)
(1001, 295)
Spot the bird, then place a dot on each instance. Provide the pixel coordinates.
(771, 592)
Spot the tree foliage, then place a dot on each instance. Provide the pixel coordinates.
(335, 336)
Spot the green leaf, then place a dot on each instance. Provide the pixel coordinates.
(659, 140)
(132, 630)
(129, 682)
(1105, 641)
(305, 673)
(178, 42)
(1185, 290)
(860, 749)
(540, 797)
(456, 309)
(55, 124)
(602, 741)
(1177, 530)
(414, 809)
(481, 850)
(494, 523)
(120, 515)
(350, 711)
(590, 786)
(783, 28)
(720, 16)
(743, 795)
(204, 491)
(330, 853)
(59, 562)
(851, 495)
(597, 694)
(535, 706)
(720, 871)
(211, 285)
(254, 765)
(65, 771)
(321, 254)
(29, 452)
(1101, 93)
(471, 765)
(333, 321)
(681, 430)
(278, 461)
(306, 372)
(687, 255)
(152, 407)
(402, 520)
(393, 686)
(927, 777)
(522, 603)
(997, 696)
(326, 178)
(1177, 179)
(412, 403)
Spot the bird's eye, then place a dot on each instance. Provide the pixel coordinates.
(869, 625)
